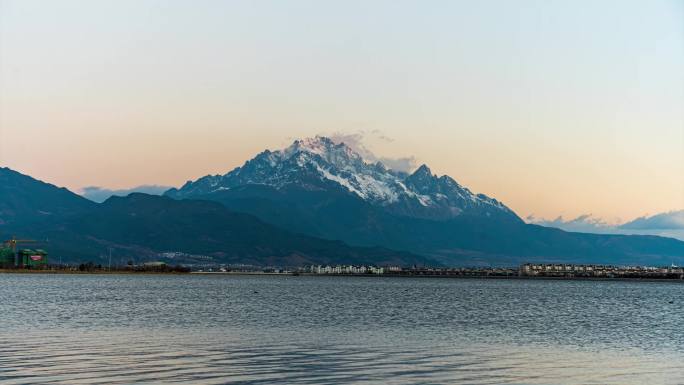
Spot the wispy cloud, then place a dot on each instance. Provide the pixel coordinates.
(670, 224)
(101, 194)
(672, 220)
(358, 142)
(586, 223)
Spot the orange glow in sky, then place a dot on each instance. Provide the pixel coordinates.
(551, 107)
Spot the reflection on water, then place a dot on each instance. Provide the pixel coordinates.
(225, 329)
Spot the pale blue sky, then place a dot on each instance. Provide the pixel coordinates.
(554, 107)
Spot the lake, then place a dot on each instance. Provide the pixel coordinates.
(218, 329)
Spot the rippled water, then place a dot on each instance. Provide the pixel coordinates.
(72, 329)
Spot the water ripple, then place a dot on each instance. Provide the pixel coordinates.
(274, 330)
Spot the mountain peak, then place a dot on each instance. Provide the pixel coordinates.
(338, 154)
(423, 170)
(320, 145)
(315, 144)
(316, 140)
(319, 163)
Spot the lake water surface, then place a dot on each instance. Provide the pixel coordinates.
(211, 329)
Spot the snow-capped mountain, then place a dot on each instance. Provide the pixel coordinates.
(319, 164)
(309, 219)
(324, 189)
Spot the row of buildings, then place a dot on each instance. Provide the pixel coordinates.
(600, 271)
(346, 269)
(409, 271)
(525, 270)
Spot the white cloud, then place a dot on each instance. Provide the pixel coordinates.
(664, 225)
(357, 141)
(586, 223)
(672, 220)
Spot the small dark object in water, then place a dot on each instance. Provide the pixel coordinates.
(671, 302)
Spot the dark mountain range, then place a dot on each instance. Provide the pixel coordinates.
(143, 226)
(325, 189)
(336, 208)
(25, 200)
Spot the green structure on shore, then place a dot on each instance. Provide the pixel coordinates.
(6, 257)
(11, 257)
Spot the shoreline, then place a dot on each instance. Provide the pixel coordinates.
(76, 272)
(512, 277)
(258, 273)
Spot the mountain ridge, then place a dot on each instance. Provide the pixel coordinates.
(44, 200)
(319, 201)
(321, 188)
(143, 226)
(314, 162)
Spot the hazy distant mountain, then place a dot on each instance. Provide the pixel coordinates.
(142, 226)
(325, 189)
(101, 194)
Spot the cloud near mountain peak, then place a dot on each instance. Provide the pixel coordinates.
(357, 141)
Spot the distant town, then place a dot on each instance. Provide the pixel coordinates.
(528, 270)
(14, 259)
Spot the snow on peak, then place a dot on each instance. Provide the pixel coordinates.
(341, 164)
(326, 148)
(323, 159)
(318, 145)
